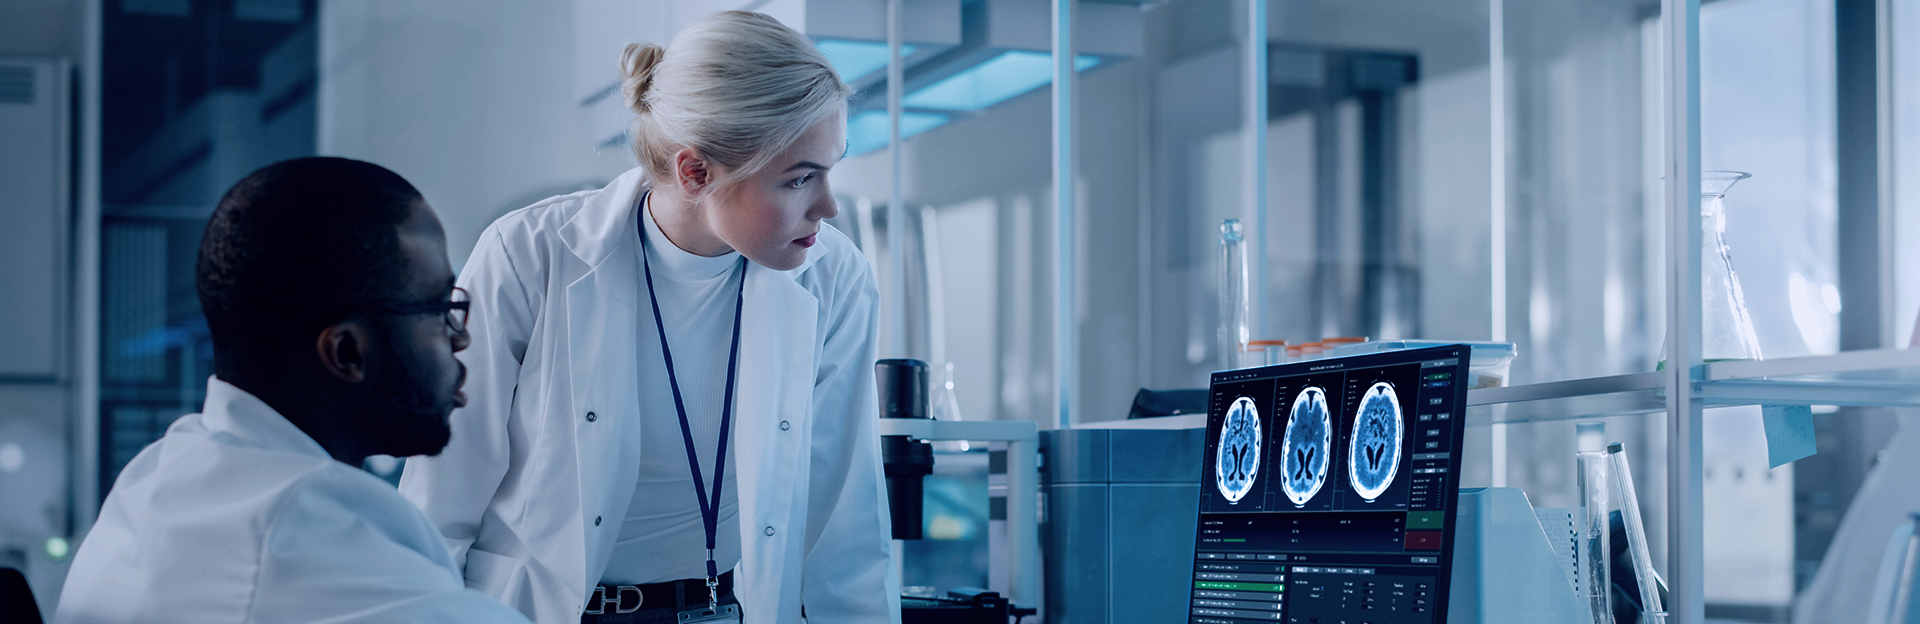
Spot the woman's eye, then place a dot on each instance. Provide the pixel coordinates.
(801, 182)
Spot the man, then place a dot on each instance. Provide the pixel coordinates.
(327, 290)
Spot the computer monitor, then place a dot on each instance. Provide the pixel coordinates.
(1328, 489)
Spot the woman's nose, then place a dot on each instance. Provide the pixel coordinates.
(826, 208)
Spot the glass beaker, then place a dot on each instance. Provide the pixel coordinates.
(946, 406)
(1234, 298)
(1726, 330)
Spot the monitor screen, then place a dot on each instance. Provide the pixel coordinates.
(1327, 490)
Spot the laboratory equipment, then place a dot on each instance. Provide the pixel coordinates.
(1234, 296)
(1726, 330)
(902, 385)
(1591, 472)
(961, 605)
(1270, 352)
(1489, 369)
(946, 406)
(1358, 496)
(1328, 345)
(1894, 591)
(1120, 502)
(1014, 540)
(1506, 569)
(1652, 608)
(905, 431)
(1157, 403)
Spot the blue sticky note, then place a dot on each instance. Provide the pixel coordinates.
(1789, 433)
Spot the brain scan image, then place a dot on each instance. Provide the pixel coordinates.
(1307, 441)
(1373, 454)
(1237, 461)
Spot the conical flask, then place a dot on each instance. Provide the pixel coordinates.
(1726, 328)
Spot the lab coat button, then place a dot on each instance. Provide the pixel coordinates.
(591, 417)
(769, 531)
(784, 425)
(596, 521)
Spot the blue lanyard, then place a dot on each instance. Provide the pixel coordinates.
(709, 506)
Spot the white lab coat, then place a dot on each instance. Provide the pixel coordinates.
(237, 516)
(1842, 591)
(532, 491)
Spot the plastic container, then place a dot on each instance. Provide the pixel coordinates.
(1271, 351)
(1488, 369)
(1311, 351)
(1329, 344)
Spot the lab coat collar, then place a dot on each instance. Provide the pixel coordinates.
(238, 413)
(606, 221)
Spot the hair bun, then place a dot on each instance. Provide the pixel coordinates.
(636, 73)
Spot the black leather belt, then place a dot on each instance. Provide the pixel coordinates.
(653, 602)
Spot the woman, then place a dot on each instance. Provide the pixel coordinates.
(694, 324)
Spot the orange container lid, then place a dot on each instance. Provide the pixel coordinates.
(1343, 340)
(1267, 343)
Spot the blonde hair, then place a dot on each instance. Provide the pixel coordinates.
(735, 87)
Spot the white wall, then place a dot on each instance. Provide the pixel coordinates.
(472, 104)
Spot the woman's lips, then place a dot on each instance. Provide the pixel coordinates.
(808, 240)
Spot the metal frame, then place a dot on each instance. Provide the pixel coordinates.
(86, 410)
(1065, 373)
(1256, 176)
(1686, 555)
(1023, 487)
(896, 308)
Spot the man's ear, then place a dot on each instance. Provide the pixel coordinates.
(691, 172)
(343, 349)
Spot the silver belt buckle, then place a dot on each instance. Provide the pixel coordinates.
(725, 613)
(600, 600)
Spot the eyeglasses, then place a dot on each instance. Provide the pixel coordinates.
(455, 309)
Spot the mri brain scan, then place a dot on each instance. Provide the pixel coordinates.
(1238, 460)
(1373, 454)
(1308, 438)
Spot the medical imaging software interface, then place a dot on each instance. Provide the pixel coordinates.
(1327, 489)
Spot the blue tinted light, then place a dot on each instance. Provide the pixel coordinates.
(867, 130)
(855, 59)
(995, 81)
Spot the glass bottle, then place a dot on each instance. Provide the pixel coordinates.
(946, 406)
(1726, 330)
(1593, 470)
(1234, 298)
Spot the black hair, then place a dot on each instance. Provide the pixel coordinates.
(296, 243)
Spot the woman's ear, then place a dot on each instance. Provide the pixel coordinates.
(343, 349)
(692, 173)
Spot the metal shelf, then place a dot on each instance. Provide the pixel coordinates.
(1637, 393)
(1880, 377)
(1876, 377)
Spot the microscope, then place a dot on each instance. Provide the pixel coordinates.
(908, 459)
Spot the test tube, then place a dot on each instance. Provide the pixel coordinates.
(1651, 609)
(1593, 471)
